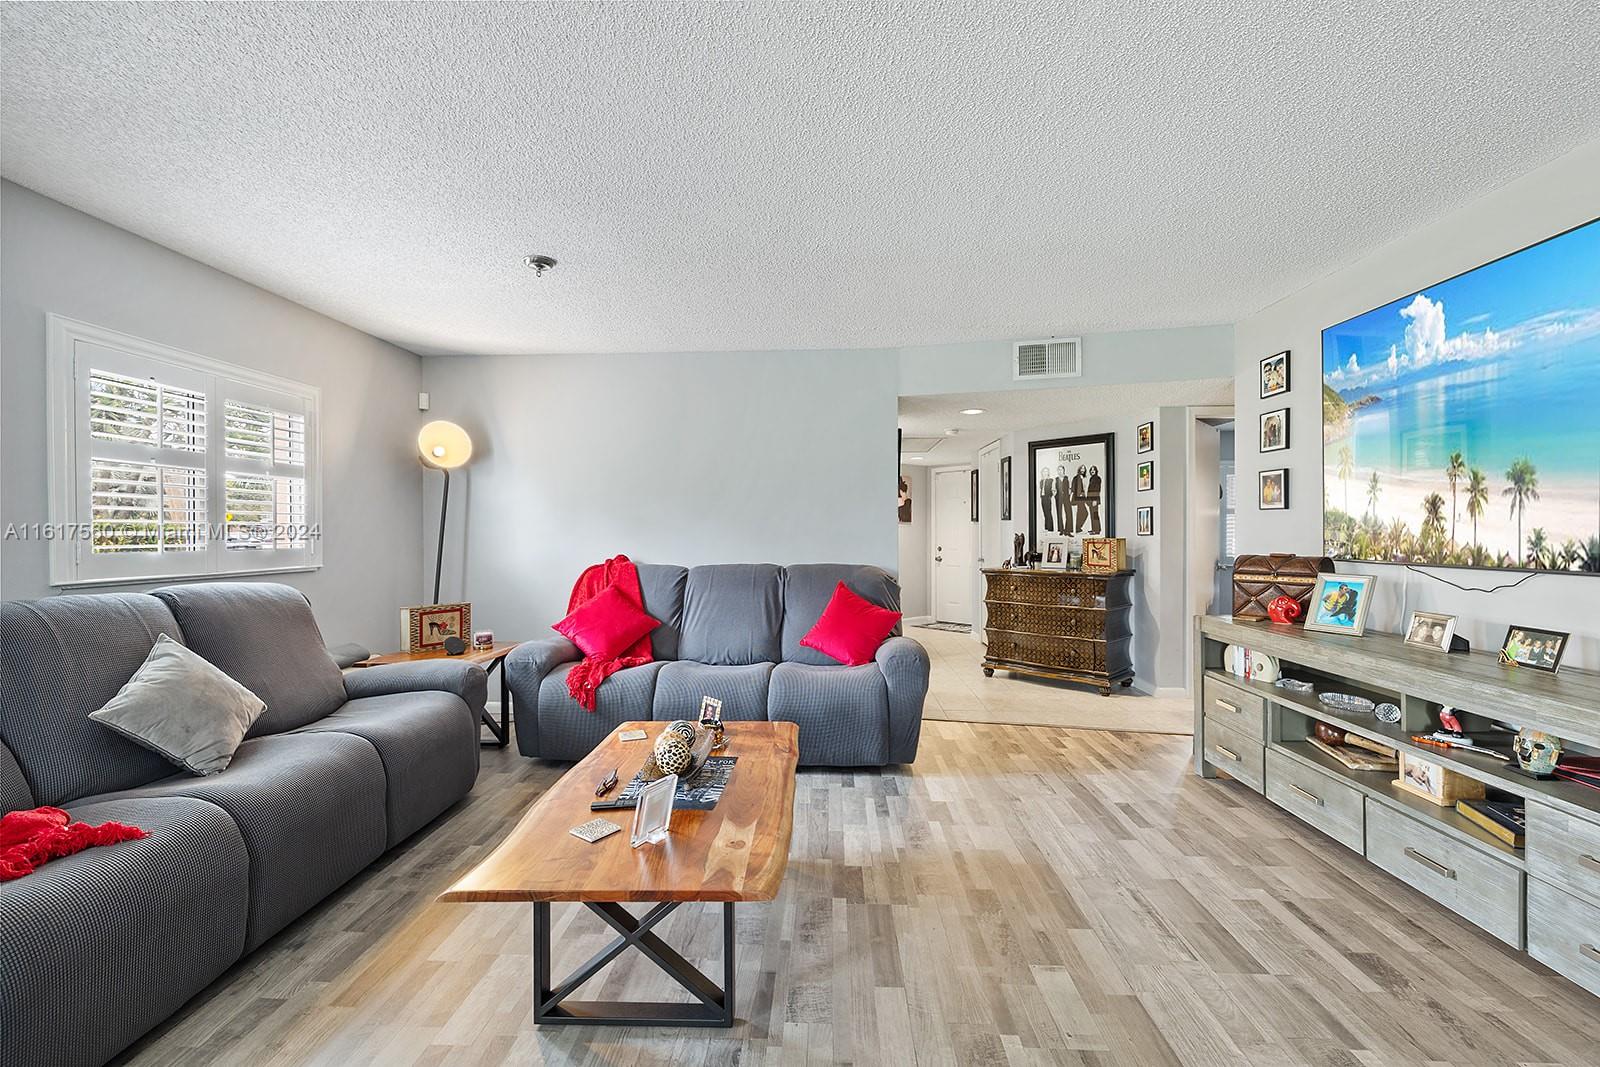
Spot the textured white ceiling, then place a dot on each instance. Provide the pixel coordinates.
(1026, 409)
(729, 176)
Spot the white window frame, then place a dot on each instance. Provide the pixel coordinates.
(73, 350)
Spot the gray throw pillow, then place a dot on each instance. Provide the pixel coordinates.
(183, 708)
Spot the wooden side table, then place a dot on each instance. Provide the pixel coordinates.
(488, 658)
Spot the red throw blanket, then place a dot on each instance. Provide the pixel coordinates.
(584, 679)
(31, 838)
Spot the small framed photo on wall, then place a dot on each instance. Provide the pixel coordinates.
(1145, 521)
(1275, 430)
(1145, 438)
(1147, 476)
(1275, 374)
(1273, 493)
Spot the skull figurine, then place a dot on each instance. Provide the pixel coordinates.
(1537, 752)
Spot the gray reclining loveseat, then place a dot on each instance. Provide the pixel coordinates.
(733, 631)
(98, 947)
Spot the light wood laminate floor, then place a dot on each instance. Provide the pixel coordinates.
(1021, 895)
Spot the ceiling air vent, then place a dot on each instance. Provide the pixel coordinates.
(1056, 358)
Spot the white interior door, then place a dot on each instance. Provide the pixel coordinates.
(954, 546)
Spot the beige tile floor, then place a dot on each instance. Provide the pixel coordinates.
(959, 692)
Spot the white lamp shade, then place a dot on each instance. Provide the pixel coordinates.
(444, 444)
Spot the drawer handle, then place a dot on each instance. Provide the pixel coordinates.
(1590, 951)
(1228, 752)
(1226, 706)
(1591, 862)
(1308, 795)
(1433, 865)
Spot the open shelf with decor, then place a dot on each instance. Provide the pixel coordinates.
(1542, 895)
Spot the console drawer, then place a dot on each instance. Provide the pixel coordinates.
(1564, 850)
(1317, 798)
(1564, 934)
(1240, 711)
(1474, 885)
(1229, 750)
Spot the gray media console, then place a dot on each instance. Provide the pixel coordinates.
(1543, 898)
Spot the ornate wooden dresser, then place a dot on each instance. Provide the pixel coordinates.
(1070, 625)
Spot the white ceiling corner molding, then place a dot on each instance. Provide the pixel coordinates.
(773, 178)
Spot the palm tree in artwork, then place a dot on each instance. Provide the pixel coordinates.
(1477, 498)
(1569, 555)
(1347, 466)
(1432, 523)
(1539, 548)
(1524, 479)
(1373, 489)
(1453, 473)
(1590, 561)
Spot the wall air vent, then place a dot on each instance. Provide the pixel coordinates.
(1059, 357)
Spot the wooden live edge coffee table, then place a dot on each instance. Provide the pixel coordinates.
(735, 852)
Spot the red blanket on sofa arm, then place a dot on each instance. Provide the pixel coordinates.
(585, 677)
(29, 839)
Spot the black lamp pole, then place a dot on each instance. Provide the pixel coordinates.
(444, 509)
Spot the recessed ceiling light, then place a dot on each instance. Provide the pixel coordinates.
(951, 432)
(539, 263)
(972, 411)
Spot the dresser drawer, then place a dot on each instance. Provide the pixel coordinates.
(1233, 752)
(1476, 886)
(1564, 850)
(1333, 806)
(1235, 708)
(1564, 934)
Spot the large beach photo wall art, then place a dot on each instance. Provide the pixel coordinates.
(1460, 424)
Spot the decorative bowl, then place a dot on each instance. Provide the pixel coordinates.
(1389, 713)
(1294, 685)
(1346, 702)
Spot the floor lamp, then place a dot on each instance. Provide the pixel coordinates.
(446, 446)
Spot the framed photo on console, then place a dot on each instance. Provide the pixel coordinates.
(1340, 602)
(1526, 646)
(1430, 630)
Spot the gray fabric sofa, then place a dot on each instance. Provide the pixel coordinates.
(97, 948)
(733, 632)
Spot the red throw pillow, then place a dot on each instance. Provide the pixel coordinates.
(851, 628)
(606, 625)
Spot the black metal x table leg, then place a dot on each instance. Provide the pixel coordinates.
(550, 1003)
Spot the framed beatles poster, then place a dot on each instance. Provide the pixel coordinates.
(1071, 488)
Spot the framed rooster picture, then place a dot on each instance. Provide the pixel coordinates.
(425, 627)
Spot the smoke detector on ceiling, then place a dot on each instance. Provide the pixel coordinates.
(540, 264)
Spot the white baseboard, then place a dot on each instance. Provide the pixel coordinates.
(917, 620)
(1170, 691)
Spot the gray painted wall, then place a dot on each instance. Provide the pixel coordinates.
(1158, 609)
(1546, 201)
(913, 552)
(56, 259)
(1108, 359)
(685, 458)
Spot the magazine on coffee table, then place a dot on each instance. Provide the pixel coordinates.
(699, 793)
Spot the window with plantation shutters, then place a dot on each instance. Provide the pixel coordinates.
(166, 463)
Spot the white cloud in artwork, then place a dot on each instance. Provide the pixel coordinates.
(1425, 332)
(1394, 360)
(1355, 368)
